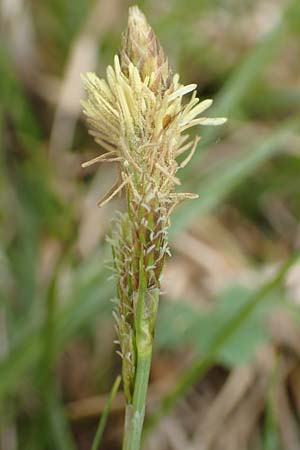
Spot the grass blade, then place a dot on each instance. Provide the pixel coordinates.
(57, 422)
(89, 298)
(215, 187)
(270, 435)
(246, 74)
(104, 416)
(203, 364)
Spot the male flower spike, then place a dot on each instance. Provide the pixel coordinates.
(139, 116)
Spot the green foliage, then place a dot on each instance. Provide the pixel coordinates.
(271, 440)
(199, 329)
(258, 91)
(220, 182)
(221, 338)
(104, 416)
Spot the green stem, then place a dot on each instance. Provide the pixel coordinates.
(145, 319)
(135, 412)
(104, 416)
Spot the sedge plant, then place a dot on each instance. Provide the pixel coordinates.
(139, 116)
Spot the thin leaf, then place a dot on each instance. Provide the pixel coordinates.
(89, 297)
(215, 187)
(58, 424)
(206, 361)
(104, 416)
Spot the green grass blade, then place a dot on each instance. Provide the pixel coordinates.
(270, 435)
(216, 186)
(247, 73)
(89, 298)
(245, 76)
(104, 416)
(57, 423)
(14, 100)
(203, 364)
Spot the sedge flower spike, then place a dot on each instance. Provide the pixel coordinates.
(139, 116)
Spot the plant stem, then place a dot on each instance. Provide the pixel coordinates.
(135, 412)
(145, 319)
(105, 414)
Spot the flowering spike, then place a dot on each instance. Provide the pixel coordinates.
(138, 116)
(141, 47)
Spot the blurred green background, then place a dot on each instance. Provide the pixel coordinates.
(226, 370)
